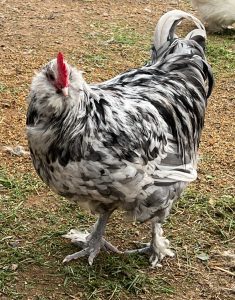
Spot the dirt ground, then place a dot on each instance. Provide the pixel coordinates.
(32, 32)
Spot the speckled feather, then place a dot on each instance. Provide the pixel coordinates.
(130, 142)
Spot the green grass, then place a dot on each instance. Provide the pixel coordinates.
(98, 60)
(114, 33)
(14, 91)
(216, 217)
(125, 35)
(20, 186)
(114, 276)
(31, 238)
(3, 87)
(220, 54)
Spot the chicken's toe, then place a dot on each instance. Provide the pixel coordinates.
(76, 255)
(157, 254)
(91, 245)
(144, 250)
(159, 246)
(91, 250)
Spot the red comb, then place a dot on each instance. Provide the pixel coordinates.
(63, 78)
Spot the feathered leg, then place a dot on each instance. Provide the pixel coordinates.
(159, 247)
(91, 243)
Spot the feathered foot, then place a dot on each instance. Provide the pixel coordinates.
(157, 249)
(91, 243)
(159, 245)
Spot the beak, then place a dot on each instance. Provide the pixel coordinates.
(65, 91)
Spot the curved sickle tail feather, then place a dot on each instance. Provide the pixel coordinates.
(166, 26)
(166, 41)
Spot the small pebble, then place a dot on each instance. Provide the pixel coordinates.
(14, 267)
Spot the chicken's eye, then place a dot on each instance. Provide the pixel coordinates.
(50, 76)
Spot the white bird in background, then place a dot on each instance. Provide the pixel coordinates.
(128, 143)
(216, 13)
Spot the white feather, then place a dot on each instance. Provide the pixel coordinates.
(166, 22)
(216, 13)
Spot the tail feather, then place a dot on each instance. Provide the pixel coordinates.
(166, 26)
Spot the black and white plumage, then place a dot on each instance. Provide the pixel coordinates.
(128, 143)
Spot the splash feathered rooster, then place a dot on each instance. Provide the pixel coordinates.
(129, 143)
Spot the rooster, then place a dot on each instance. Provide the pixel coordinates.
(216, 13)
(128, 143)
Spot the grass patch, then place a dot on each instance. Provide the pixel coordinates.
(98, 60)
(31, 240)
(3, 87)
(18, 187)
(114, 33)
(10, 90)
(125, 35)
(214, 218)
(220, 54)
(115, 276)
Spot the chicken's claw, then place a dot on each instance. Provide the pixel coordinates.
(90, 244)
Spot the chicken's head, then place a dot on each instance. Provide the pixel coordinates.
(57, 73)
(58, 87)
